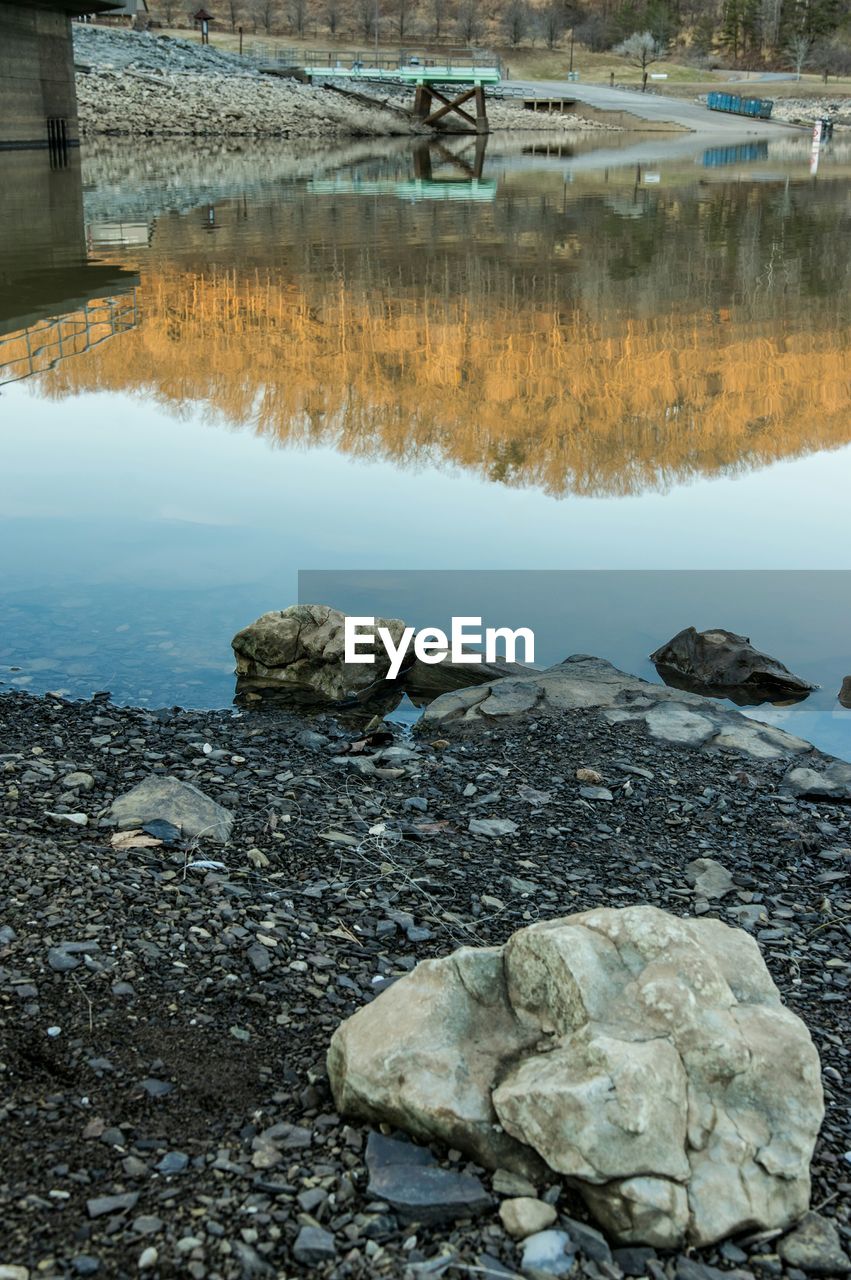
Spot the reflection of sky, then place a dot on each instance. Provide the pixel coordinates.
(155, 538)
(168, 488)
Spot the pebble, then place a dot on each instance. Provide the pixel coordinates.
(100, 1205)
(815, 1247)
(552, 1252)
(338, 924)
(313, 1245)
(524, 1216)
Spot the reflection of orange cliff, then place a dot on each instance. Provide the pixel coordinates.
(514, 389)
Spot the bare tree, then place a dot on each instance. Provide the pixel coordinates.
(233, 11)
(403, 10)
(516, 20)
(799, 49)
(366, 17)
(298, 15)
(169, 10)
(332, 16)
(438, 15)
(552, 22)
(831, 57)
(265, 14)
(771, 13)
(469, 22)
(641, 49)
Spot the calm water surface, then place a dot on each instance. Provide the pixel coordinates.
(220, 367)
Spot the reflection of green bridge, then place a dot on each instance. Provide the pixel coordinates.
(412, 190)
(466, 183)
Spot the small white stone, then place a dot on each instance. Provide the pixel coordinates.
(525, 1216)
(148, 1258)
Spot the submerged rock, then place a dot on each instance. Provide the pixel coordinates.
(721, 661)
(691, 1096)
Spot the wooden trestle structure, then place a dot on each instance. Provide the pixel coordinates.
(434, 87)
(428, 114)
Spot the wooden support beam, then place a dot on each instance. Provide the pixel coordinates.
(422, 101)
(453, 105)
(481, 110)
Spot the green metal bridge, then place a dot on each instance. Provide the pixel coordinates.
(432, 78)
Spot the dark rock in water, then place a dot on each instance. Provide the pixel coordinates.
(312, 1244)
(845, 693)
(814, 1246)
(426, 1193)
(721, 661)
(177, 803)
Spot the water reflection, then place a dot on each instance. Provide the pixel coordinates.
(608, 337)
(52, 303)
(544, 351)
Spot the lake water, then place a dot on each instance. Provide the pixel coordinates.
(221, 366)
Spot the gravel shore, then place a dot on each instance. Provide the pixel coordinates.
(134, 84)
(164, 1021)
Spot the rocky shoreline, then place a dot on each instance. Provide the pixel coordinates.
(132, 84)
(167, 1004)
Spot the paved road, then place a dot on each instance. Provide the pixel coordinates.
(655, 108)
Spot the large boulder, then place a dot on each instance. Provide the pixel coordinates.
(648, 1059)
(303, 647)
(845, 693)
(720, 661)
(300, 650)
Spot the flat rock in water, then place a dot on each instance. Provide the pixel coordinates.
(425, 1193)
(179, 803)
(814, 1246)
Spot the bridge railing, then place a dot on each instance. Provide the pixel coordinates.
(274, 55)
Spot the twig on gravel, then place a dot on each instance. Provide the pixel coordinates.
(82, 992)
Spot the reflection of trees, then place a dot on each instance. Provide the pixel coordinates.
(571, 348)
